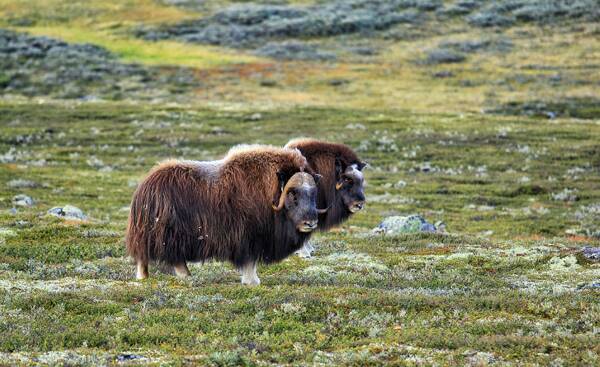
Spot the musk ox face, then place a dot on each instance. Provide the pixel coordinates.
(299, 199)
(350, 185)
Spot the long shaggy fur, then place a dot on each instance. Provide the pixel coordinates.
(194, 211)
(321, 157)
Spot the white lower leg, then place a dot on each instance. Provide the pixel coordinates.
(142, 270)
(249, 276)
(306, 250)
(181, 270)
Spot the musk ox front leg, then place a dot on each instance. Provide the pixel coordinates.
(306, 251)
(249, 276)
(142, 270)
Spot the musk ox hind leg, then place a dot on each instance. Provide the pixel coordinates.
(181, 270)
(249, 276)
(142, 270)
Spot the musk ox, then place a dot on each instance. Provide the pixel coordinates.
(341, 188)
(258, 204)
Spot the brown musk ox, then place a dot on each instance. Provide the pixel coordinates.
(341, 188)
(258, 204)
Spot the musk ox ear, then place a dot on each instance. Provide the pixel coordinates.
(281, 177)
(360, 165)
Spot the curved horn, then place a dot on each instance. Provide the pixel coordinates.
(284, 191)
(323, 211)
(338, 185)
(281, 203)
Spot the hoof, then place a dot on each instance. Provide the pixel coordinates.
(306, 251)
(304, 254)
(251, 282)
(141, 271)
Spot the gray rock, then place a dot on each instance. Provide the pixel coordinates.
(21, 184)
(591, 253)
(592, 285)
(567, 194)
(22, 224)
(68, 212)
(22, 200)
(255, 117)
(443, 56)
(408, 224)
(128, 357)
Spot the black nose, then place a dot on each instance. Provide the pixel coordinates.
(360, 204)
(310, 223)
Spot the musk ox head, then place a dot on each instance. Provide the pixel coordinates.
(350, 185)
(299, 199)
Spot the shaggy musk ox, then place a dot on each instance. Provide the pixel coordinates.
(341, 188)
(256, 204)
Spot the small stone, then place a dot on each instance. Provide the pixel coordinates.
(93, 161)
(409, 224)
(593, 285)
(22, 224)
(400, 184)
(22, 200)
(591, 253)
(356, 126)
(440, 226)
(128, 357)
(21, 184)
(566, 195)
(255, 117)
(67, 212)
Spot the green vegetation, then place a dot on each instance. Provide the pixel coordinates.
(501, 144)
(468, 296)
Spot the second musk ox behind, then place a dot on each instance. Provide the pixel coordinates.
(341, 188)
(258, 204)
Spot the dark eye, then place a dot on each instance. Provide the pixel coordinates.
(348, 180)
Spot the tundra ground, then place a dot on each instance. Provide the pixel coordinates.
(493, 131)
